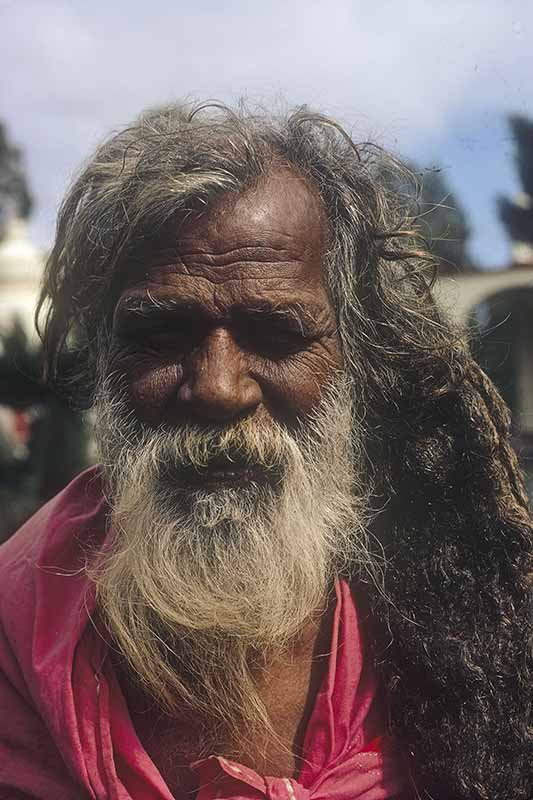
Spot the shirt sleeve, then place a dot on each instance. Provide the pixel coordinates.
(31, 767)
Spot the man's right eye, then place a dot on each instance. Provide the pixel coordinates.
(178, 336)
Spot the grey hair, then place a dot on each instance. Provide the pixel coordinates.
(174, 161)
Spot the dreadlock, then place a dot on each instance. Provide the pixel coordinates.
(454, 622)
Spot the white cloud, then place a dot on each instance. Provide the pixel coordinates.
(407, 72)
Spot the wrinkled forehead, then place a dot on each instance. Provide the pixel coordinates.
(281, 206)
(281, 213)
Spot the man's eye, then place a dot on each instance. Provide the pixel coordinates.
(177, 337)
(276, 342)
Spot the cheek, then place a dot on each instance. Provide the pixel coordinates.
(296, 385)
(150, 386)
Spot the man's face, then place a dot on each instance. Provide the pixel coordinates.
(234, 321)
(230, 450)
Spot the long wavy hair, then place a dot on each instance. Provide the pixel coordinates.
(451, 623)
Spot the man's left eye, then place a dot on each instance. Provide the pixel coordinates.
(277, 342)
(177, 337)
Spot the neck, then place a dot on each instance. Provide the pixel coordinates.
(287, 686)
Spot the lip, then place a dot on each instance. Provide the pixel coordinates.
(227, 476)
(222, 473)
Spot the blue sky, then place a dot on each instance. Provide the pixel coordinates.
(431, 80)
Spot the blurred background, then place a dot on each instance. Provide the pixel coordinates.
(445, 86)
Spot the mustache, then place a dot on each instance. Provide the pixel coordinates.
(256, 451)
(248, 445)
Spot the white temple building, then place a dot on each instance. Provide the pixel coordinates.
(21, 271)
(466, 291)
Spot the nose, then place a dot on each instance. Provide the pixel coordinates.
(217, 384)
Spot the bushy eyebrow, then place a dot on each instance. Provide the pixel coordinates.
(294, 315)
(148, 305)
(303, 318)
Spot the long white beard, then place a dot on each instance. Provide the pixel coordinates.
(201, 588)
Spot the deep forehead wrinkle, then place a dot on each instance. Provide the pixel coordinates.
(264, 249)
(281, 273)
(202, 251)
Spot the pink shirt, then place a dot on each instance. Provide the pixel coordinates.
(65, 730)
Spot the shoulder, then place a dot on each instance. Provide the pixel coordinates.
(55, 524)
(51, 546)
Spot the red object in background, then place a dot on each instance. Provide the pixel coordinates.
(15, 433)
(22, 425)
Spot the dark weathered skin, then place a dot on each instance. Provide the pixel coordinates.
(226, 353)
(222, 354)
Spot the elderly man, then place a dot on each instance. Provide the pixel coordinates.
(303, 568)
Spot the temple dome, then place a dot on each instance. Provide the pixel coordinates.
(21, 272)
(21, 262)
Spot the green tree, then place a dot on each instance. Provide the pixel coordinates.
(15, 196)
(517, 215)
